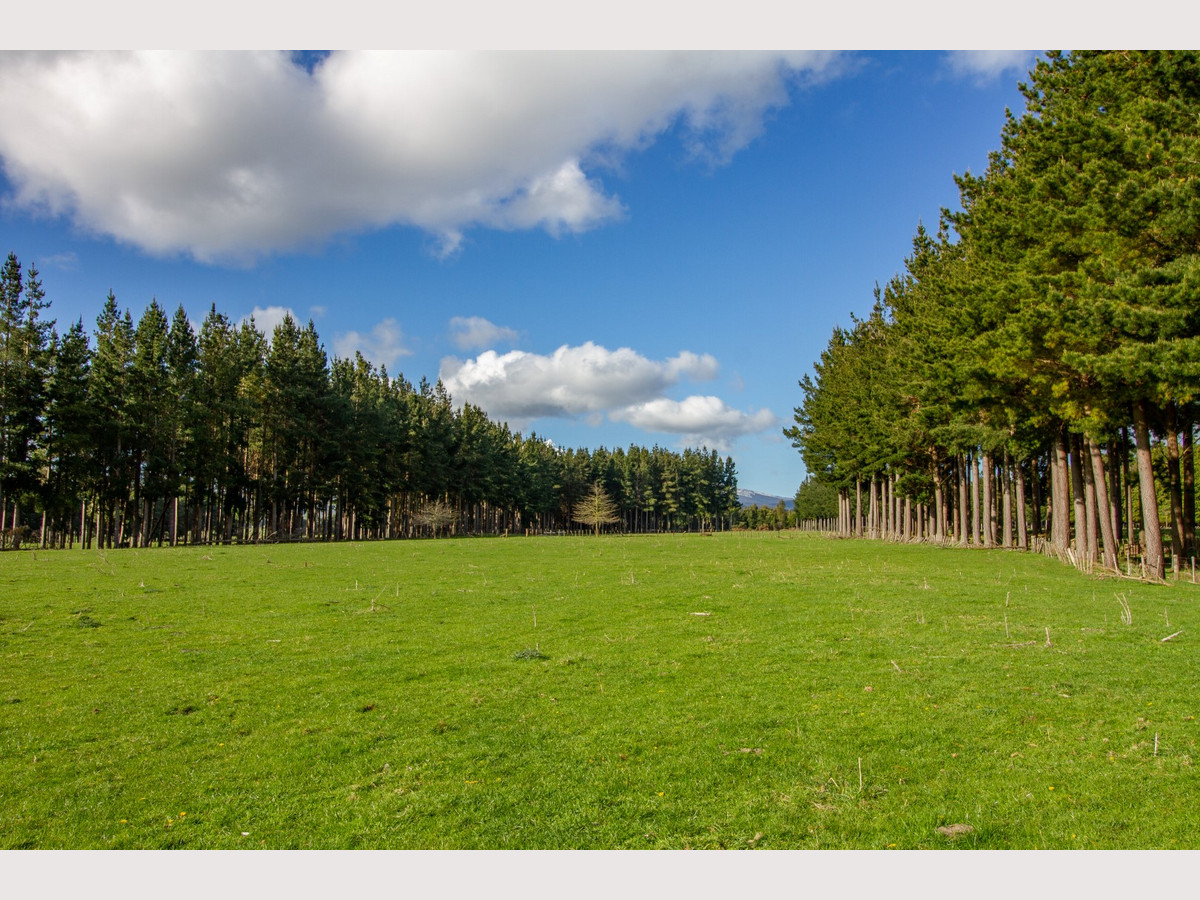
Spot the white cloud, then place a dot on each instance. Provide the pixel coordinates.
(591, 381)
(65, 262)
(518, 386)
(226, 156)
(987, 65)
(700, 420)
(266, 318)
(475, 332)
(384, 346)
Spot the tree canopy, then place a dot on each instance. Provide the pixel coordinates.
(1050, 320)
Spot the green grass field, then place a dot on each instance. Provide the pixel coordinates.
(730, 691)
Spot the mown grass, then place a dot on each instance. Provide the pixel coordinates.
(639, 692)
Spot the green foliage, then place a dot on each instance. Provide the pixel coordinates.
(815, 500)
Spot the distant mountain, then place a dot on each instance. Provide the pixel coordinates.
(753, 498)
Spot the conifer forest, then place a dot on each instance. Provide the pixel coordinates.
(150, 433)
(1030, 378)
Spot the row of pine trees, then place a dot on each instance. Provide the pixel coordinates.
(1031, 377)
(149, 433)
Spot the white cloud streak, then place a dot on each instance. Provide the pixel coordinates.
(384, 345)
(476, 332)
(228, 156)
(984, 66)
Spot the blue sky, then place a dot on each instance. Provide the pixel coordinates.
(607, 250)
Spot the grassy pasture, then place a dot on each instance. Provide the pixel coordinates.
(734, 691)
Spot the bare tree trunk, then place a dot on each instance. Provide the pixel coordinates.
(1078, 500)
(889, 511)
(988, 517)
(858, 522)
(1090, 507)
(975, 512)
(1059, 490)
(1176, 491)
(1036, 486)
(1006, 502)
(1022, 536)
(964, 514)
(1189, 488)
(1114, 490)
(1130, 519)
(1103, 506)
(939, 505)
(1153, 551)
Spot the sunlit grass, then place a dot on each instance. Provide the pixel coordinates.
(736, 691)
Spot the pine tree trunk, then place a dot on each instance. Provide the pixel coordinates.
(1114, 493)
(1090, 509)
(975, 511)
(1059, 495)
(1103, 506)
(1035, 485)
(964, 512)
(877, 503)
(939, 505)
(858, 522)
(1189, 489)
(1006, 501)
(988, 516)
(1152, 552)
(1130, 519)
(1022, 536)
(1176, 490)
(886, 491)
(1078, 500)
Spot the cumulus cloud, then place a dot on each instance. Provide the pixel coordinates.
(475, 332)
(266, 318)
(700, 420)
(987, 65)
(384, 345)
(519, 386)
(227, 156)
(591, 381)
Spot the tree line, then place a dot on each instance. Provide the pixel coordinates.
(153, 433)
(1031, 377)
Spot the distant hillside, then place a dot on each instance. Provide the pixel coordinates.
(753, 498)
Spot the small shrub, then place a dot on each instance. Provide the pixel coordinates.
(530, 653)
